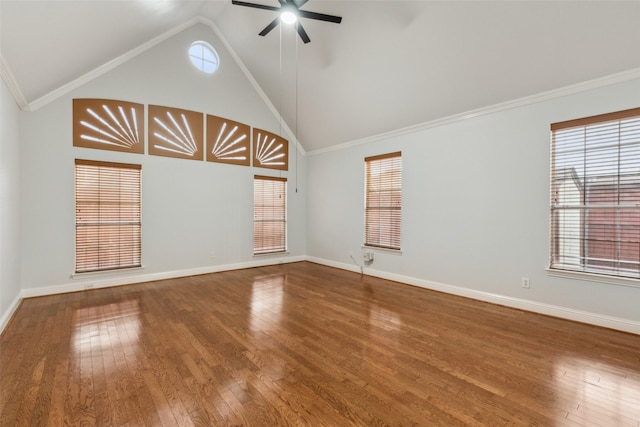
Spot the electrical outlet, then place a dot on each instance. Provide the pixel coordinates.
(525, 283)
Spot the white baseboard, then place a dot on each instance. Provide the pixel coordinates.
(6, 317)
(533, 306)
(336, 264)
(95, 282)
(522, 304)
(81, 284)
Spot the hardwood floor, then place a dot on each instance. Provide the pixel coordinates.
(303, 344)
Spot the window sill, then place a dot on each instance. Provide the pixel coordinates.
(105, 273)
(592, 277)
(270, 254)
(382, 250)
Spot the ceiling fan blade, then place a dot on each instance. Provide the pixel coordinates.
(270, 27)
(299, 3)
(320, 16)
(257, 6)
(303, 34)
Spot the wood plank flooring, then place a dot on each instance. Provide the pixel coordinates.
(306, 345)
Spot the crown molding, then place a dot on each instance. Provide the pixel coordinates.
(254, 83)
(7, 77)
(495, 108)
(97, 72)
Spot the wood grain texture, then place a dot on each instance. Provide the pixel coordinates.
(306, 345)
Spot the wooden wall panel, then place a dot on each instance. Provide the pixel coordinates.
(107, 124)
(174, 132)
(228, 141)
(270, 150)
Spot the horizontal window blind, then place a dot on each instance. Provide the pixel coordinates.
(383, 200)
(108, 225)
(595, 194)
(269, 214)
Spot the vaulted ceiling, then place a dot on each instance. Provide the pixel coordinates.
(389, 65)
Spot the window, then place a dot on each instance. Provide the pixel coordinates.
(595, 194)
(107, 216)
(383, 200)
(269, 215)
(204, 57)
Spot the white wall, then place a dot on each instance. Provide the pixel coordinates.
(190, 210)
(9, 204)
(475, 208)
(475, 193)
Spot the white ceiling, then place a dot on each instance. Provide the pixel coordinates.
(387, 66)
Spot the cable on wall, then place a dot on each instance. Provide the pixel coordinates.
(295, 133)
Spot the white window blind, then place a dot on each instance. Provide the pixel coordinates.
(383, 200)
(108, 226)
(595, 194)
(269, 215)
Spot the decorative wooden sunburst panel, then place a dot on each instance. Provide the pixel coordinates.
(175, 133)
(228, 141)
(108, 124)
(270, 150)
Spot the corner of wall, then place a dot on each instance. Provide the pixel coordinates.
(8, 314)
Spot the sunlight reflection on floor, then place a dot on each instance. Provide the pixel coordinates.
(105, 327)
(598, 394)
(266, 302)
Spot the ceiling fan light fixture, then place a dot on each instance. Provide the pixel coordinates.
(288, 17)
(289, 12)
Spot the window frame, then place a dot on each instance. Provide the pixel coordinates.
(200, 60)
(261, 240)
(127, 220)
(585, 205)
(390, 234)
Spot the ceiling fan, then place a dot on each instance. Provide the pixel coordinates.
(289, 12)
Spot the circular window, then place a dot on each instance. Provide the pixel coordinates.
(204, 57)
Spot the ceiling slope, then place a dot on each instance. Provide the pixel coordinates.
(389, 65)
